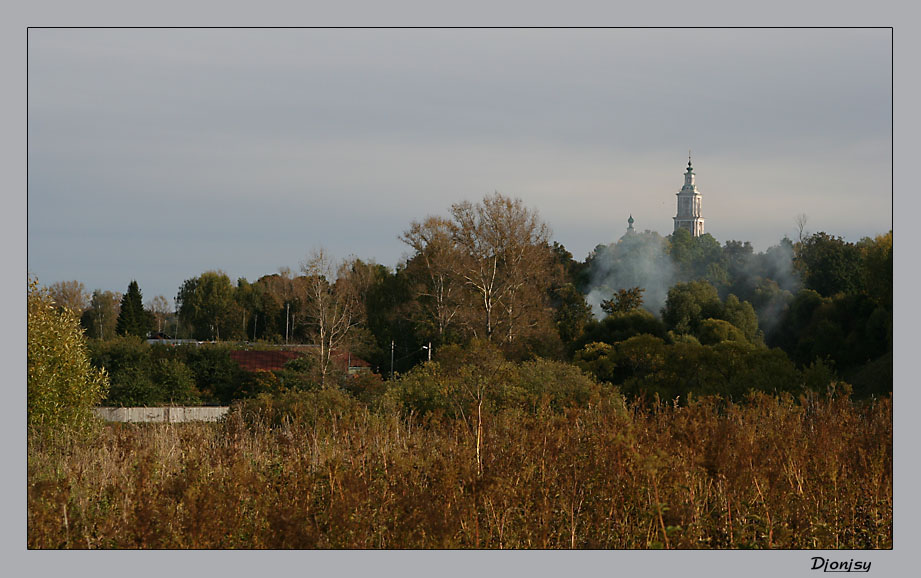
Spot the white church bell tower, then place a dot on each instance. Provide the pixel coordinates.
(689, 197)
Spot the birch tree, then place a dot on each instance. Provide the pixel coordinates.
(506, 261)
(333, 306)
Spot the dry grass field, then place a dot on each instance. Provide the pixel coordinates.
(327, 472)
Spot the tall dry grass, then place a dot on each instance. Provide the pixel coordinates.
(772, 472)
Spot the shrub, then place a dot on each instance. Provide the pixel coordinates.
(561, 385)
(217, 376)
(175, 382)
(304, 408)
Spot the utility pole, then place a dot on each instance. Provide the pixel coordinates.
(430, 350)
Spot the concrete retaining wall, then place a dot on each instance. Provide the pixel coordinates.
(160, 414)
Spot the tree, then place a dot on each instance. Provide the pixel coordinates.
(269, 321)
(127, 361)
(69, 295)
(161, 310)
(800, 220)
(62, 385)
(690, 303)
(100, 319)
(693, 256)
(876, 268)
(206, 304)
(506, 261)
(828, 264)
(713, 331)
(622, 326)
(624, 301)
(572, 315)
(175, 382)
(333, 306)
(132, 318)
(393, 315)
(434, 272)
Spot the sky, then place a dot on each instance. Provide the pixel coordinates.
(159, 154)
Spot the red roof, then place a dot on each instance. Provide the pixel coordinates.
(264, 360)
(272, 360)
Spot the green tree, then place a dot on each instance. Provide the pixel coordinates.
(692, 256)
(572, 313)
(828, 264)
(217, 376)
(690, 303)
(742, 315)
(127, 360)
(560, 385)
(713, 331)
(624, 301)
(206, 305)
(175, 382)
(876, 268)
(622, 326)
(62, 385)
(394, 314)
(133, 319)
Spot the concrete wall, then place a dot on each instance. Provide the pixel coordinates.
(160, 414)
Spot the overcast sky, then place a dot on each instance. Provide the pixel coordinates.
(158, 154)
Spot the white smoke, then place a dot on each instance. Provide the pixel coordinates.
(642, 260)
(636, 260)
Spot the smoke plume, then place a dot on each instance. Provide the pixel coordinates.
(636, 260)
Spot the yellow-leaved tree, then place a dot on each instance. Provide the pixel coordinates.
(62, 385)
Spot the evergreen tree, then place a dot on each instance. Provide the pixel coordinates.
(133, 319)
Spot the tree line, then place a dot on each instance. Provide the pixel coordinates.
(489, 272)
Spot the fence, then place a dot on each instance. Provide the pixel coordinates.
(160, 414)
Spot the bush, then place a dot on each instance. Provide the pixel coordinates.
(645, 366)
(175, 382)
(217, 376)
(463, 378)
(303, 408)
(560, 385)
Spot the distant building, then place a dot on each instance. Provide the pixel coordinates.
(689, 198)
(630, 229)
